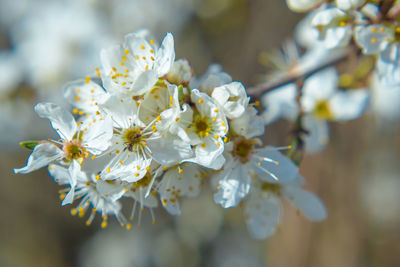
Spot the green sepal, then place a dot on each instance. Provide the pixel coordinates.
(30, 145)
(180, 93)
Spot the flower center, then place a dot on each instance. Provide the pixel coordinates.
(145, 181)
(322, 110)
(132, 137)
(202, 126)
(273, 188)
(243, 148)
(74, 150)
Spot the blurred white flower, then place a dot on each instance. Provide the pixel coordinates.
(302, 5)
(262, 209)
(321, 102)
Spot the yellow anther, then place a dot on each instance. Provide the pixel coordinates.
(201, 101)
(165, 168)
(104, 224)
(81, 112)
(117, 151)
(97, 177)
(147, 168)
(142, 47)
(128, 226)
(151, 41)
(108, 170)
(373, 40)
(87, 79)
(77, 98)
(93, 157)
(180, 171)
(121, 162)
(75, 111)
(74, 212)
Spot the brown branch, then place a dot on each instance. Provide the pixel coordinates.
(265, 87)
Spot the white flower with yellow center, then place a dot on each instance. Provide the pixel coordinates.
(77, 142)
(243, 162)
(207, 131)
(135, 144)
(321, 102)
(95, 195)
(134, 67)
(262, 208)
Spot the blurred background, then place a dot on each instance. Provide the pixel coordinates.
(45, 43)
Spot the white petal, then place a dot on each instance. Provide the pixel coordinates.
(233, 185)
(74, 171)
(123, 111)
(321, 85)
(168, 150)
(263, 215)
(220, 94)
(302, 5)
(175, 185)
(349, 105)
(318, 136)
(85, 96)
(61, 120)
(209, 154)
(144, 82)
(310, 205)
(41, 156)
(349, 4)
(165, 55)
(97, 137)
(280, 103)
(112, 191)
(373, 38)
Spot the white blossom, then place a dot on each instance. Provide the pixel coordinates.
(263, 209)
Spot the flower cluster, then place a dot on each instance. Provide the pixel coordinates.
(372, 26)
(366, 34)
(144, 128)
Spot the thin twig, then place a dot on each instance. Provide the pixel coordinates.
(265, 87)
